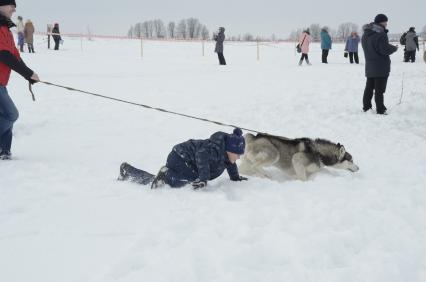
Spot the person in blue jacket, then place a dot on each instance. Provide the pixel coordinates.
(325, 44)
(194, 162)
(351, 47)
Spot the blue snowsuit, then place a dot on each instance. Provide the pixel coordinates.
(202, 160)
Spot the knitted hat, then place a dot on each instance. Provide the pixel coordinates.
(235, 143)
(380, 18)
(7, 2)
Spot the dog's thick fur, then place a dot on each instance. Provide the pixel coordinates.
(303, 156)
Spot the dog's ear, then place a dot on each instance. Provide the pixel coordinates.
(342, 152)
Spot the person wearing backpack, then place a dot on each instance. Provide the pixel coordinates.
(411, 42)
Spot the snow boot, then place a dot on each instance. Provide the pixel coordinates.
(128, 172)
(159, 180)
(5, 155)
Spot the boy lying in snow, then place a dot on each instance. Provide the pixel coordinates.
(194, 162)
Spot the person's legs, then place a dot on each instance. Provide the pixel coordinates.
(176, 173)
(324, 56)
(301, 59)
(413, 56)
(351, 57)
(6, 141)
(221, 59)
(368, 94)
(128, 172)
(379, 90)
(307, 59)
(8, 115)
(56, 44)
(406, 56)
(21, 41)
(356, 57)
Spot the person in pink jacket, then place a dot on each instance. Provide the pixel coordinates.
(304, 41)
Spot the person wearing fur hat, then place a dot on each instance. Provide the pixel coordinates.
(29, 35)
(377, 51)
(220, 38)
(9, 60)
(194, 162)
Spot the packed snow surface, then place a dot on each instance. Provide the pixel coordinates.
(64, 217)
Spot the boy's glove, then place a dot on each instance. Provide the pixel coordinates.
(197, 184)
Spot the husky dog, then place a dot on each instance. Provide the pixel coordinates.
(303, 156)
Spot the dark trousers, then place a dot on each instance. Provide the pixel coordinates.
(8, 115)
(352, 56)
(179, 173)
(56, 44)
(375, 86)
(410, 56)
(30, 48)
(324, 56)
(304, 56)
(221, 59)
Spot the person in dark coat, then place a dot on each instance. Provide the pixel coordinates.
(10, 59)
(352, 47)
(195, 162)
(375, 43)
(325, 44)
(220, 38)
(411, 45)
(56, 35)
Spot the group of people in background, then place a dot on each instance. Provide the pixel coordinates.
(377, 51)
(25, 34)
(305, 39)
(409, 39)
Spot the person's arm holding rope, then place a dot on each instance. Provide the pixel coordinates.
(18, 66)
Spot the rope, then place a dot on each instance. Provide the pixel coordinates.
(402, 89)
(30, 86)
(145, 106)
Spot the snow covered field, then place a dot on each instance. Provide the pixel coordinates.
(64, 217)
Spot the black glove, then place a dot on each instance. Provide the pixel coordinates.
(32, 81)
(240, 178)
(197, 184)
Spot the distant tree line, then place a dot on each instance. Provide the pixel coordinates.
(190, 28)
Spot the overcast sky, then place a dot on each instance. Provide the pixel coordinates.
(263, 17)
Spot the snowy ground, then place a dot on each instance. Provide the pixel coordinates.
(64, 217)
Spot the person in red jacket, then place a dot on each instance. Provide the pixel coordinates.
(9, 60)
